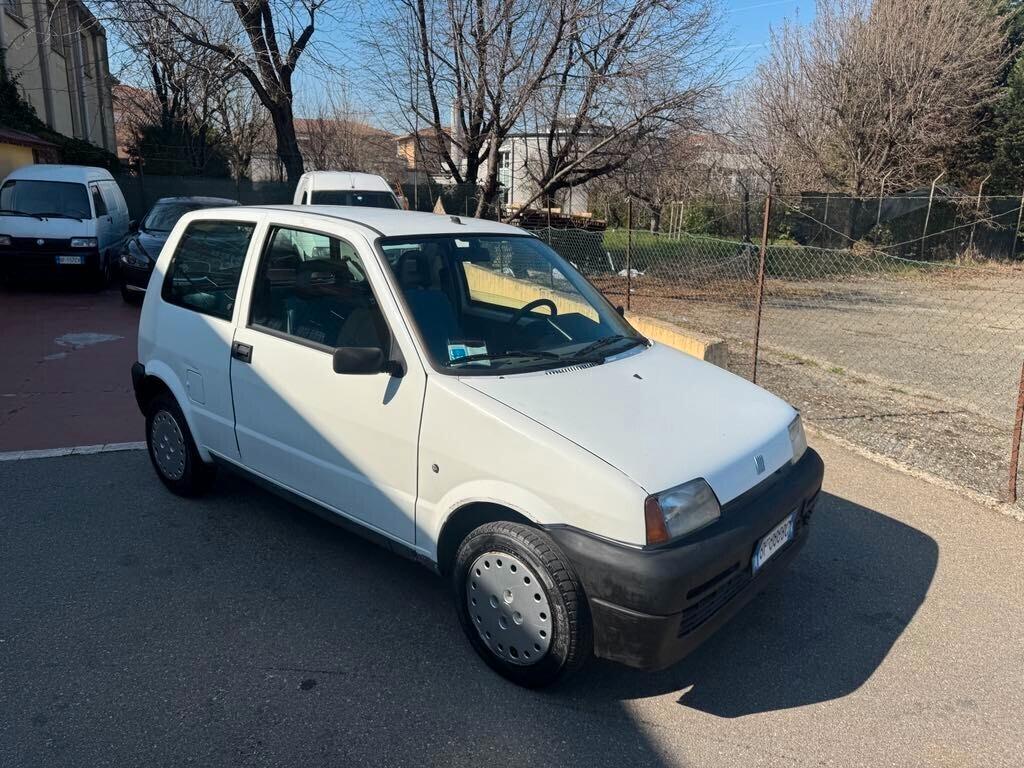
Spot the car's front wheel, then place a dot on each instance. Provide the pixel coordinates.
(172, 449)
(521, 604)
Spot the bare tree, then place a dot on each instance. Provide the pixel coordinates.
(475, 64)
(241, 122)
(634, 71)
(260, 40)
(340, 137)
(872, 91)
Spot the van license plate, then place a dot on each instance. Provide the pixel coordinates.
(69, 259)
(773, 541)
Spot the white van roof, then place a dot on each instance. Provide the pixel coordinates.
(81, 174)
(366, 182)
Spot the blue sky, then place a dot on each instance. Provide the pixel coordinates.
(750, 21)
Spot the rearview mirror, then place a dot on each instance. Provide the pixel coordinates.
(365, 361)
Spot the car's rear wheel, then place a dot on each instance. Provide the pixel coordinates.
(172, 449)
(521, 604)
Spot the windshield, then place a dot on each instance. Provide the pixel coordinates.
(164, 215)
(354, 197)
(497, 304)
(38, 198)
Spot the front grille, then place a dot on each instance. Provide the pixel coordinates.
(49, 245)
(713, 601)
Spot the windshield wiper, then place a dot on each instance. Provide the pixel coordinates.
(10, 212)
(58, 215)
(511, 354)
(606, 341)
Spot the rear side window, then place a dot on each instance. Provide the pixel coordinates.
(204, 272)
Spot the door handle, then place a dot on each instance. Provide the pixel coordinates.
(242, 352)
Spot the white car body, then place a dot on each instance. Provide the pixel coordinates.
(313, 183)
(577, 448)
(40, 242)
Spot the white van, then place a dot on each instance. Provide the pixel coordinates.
(585, 491)
(345, 188)
(61, 219)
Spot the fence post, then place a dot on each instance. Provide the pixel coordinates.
(977, 210)
(1015, 444)
(629, 250)
(1016, 234)
(928, 215)
(760, 281)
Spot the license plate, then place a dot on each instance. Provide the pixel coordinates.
(69, 259)
(773, 541)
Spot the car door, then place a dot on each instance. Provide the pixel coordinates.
(191, 323)
(346, 441)
(104, 220)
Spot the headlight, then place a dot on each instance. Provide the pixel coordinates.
(797, 438)
(135, 254)
(5, 239)
(680, 510)
(83, 242)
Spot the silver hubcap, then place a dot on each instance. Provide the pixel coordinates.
(168, 446)
(509, 608)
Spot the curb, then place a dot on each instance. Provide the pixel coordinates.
(75, 450)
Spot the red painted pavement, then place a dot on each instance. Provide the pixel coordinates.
(60, 385)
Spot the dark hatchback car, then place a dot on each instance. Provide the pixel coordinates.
(141, 250)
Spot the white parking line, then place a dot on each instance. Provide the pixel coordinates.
(75, 450)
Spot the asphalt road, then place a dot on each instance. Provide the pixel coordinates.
(140, 629)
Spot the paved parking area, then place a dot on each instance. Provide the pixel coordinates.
(141, 629)
(65, 360)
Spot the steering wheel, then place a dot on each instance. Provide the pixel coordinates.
(520, 313)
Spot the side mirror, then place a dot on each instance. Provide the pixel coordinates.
(133, 226)
(620, 310)
(365, 361)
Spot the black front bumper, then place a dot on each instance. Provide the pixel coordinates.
(651, 607)
(133, 277)
(45, 263)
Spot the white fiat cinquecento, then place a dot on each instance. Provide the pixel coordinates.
(458, 391)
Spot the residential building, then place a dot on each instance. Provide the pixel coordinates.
(57, 52)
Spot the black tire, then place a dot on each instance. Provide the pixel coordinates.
(101, 277)
(571, 639)
(195, 476)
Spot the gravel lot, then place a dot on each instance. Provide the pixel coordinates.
(921, 367)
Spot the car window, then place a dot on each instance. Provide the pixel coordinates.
(54, 198)
(313, 287)
(362, 198)
(493, 304)
(207, 263)
(97, 200)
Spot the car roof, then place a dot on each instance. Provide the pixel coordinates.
(389, 222)
(211, 201)
(337, 180)
(56, 172)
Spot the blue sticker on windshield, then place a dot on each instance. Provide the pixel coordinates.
(460, 349)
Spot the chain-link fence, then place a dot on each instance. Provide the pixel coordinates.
(914, 360)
